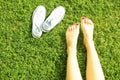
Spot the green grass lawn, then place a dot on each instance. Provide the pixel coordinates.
(24, 58)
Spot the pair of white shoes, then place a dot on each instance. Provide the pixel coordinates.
(38, 23)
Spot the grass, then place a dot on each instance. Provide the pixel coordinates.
(24, 58)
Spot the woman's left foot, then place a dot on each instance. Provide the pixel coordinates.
(72, 35)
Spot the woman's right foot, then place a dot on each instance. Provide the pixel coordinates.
(87, 28)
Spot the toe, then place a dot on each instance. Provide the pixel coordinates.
(69, 28)
(77, 26)
(74, 27)
(88, 21)
(82, 18)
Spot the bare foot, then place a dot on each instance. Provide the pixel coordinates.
(87, 28)
(72, 35)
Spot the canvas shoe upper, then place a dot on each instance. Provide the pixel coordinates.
(55, 17)
(38, 18)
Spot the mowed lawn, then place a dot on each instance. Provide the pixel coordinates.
(24, 58)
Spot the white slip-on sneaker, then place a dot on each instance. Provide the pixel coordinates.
(38, 18)
(55, 17)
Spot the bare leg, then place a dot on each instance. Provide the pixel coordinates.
(94, 69)
(73, 71)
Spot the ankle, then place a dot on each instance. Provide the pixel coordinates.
(88, 42)
(71, 51)
(71, 45)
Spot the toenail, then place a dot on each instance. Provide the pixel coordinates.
(83, 17)
(76, 24)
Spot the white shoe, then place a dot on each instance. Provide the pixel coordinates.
(55, 17)
(38, 18)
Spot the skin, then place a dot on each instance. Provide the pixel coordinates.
(73, 71)
(94, 69)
